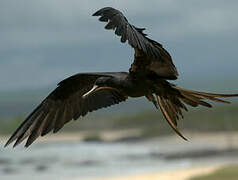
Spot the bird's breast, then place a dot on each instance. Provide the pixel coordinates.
(136, 87)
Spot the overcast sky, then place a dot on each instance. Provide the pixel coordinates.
(42, 42)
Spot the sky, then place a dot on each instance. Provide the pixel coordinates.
(43, 42)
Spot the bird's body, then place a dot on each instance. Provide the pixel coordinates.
(86, 92)
(133, 86)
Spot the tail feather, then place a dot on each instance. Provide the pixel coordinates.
(203, 95)
(194, 100)
(173, 101)
(168, 116)
(174, 111)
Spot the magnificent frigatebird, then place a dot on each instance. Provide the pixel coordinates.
(86, 92)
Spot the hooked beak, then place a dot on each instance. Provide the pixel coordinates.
(95, 87)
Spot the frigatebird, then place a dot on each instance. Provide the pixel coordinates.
(86, 92)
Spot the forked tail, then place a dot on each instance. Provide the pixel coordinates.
(172, 103)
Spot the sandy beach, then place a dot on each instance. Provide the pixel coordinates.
(180, 174)
(161, 158)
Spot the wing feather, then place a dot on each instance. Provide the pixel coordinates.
(50, 121)
(64, 104)
(150, 56)
(135, 36)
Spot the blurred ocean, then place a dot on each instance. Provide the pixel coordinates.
(86, 160)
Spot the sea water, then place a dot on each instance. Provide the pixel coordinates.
(84, 160)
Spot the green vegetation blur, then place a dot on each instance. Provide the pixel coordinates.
(151, 123)
(229, 172)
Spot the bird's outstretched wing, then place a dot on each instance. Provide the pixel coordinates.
(150, 56)
(64, 104)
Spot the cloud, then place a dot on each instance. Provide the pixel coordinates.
(56, 21)
(51, 39)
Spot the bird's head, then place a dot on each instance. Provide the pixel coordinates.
(102, 83)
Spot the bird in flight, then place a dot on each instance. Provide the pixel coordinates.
(86, 92)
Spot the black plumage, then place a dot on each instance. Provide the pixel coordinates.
(150, 56)
(66, 103)
(87, 92)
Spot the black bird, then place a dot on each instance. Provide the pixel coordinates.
(86, 92)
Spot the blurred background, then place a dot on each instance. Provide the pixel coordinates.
(43, 42)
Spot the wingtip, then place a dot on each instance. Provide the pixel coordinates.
(184, 138)
(17, 143)
(6, 145)
(99, 12)
(8, 142)
(27, 145)
(180, 134)
(95, 14)
(28, 142)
